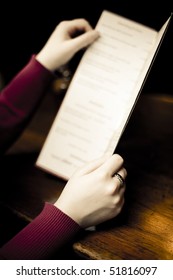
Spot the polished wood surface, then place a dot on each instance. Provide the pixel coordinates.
(144, 229)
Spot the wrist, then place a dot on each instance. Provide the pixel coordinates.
(44, 61)
(69, 212)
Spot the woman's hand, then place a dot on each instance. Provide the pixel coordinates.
(93, 194)
(62, 44)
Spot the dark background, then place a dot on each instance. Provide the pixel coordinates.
(25, 27)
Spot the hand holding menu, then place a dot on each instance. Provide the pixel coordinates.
(101, 95)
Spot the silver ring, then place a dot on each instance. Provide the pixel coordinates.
(120, 178)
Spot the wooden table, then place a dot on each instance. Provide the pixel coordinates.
(144, 229)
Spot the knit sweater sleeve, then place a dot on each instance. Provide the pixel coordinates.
(50, 230)
(20, 99)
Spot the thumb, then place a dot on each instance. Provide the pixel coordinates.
(91, 166)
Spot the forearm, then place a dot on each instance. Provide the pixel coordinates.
(42, 237)
(19, 100)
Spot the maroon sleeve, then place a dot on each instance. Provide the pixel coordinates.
(19, 100)
(42, 237)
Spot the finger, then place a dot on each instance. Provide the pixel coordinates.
(79, 24)
(120, 205)
(112, 165)
(84, 40)
(121, 196)
(120, 176)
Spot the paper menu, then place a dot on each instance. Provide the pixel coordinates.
(101, 95)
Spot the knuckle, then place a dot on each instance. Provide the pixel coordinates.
(112, 188)
(119, 158)
(103, 175)
(63, 23)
